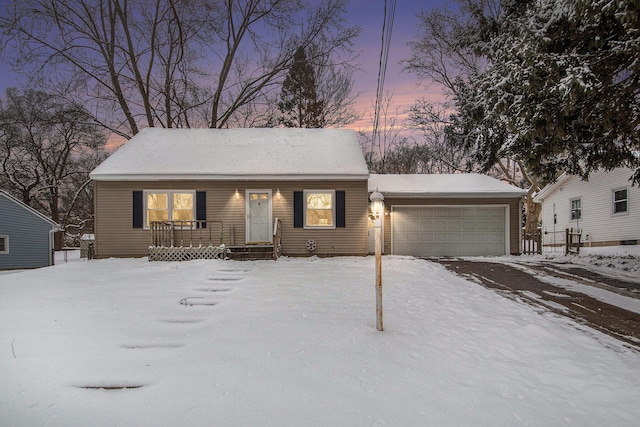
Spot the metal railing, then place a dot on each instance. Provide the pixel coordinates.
(186, 233)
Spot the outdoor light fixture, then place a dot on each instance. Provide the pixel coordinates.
(377, 209)
(236, 194)
(377, 204)
(278, 194)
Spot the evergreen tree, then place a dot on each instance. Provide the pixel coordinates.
(299, 105)
(561, 90)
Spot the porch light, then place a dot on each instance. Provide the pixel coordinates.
(377, 208)
(236, 194)
(278, 194)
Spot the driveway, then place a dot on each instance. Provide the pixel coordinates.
(604, 303)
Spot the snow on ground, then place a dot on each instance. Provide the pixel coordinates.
(622, 261)
(293, 343)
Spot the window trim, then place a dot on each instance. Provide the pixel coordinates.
(571, 217)
(6, 244)
(169, 193)
(333, 209)
(614, 201)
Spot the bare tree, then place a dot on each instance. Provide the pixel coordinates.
(48, 147)
(241, 45)
(171, 63)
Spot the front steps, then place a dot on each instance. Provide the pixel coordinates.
(250, 252)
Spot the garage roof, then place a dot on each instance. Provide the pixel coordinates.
(442, 185)
(232, 154)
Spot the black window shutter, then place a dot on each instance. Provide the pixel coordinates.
(201, 208)
(341, 214)
(298, 207)
(137, 210)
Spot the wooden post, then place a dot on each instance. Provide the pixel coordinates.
(377, 209)
(378, 253)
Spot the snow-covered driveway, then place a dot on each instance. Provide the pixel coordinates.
(611, 305)
(293, 342)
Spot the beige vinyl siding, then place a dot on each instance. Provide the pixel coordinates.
(514, 214)
(116, 237)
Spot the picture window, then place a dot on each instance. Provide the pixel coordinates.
(169, 206)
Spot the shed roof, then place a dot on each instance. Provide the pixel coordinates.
(28, 208)
(232, 154)
(442, 185)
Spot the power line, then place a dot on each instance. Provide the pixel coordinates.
(387, 29)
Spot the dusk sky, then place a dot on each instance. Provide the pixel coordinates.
(368, 14)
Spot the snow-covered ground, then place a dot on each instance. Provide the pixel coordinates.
(618, 259)
(294, 343)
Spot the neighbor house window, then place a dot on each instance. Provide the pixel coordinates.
(4, 244)
(169, 206)
(319, 209)
(576, 209)
(620, 200)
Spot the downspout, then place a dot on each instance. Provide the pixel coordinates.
(53, 230)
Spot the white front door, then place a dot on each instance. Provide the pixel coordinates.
(258, 225)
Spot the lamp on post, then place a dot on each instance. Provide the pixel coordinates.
(377, 209)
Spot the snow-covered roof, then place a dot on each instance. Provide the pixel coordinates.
(232, 154)
(442, 185)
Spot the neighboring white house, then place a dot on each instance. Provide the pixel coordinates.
(606, 208)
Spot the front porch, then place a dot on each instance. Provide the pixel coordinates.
(189, 240)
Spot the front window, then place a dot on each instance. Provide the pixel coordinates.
(4, 244)
(576, 209)
(320, 211)
(620, 201)
(169, 206)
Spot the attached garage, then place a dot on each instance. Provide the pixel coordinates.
(449, 215)
(428, 231)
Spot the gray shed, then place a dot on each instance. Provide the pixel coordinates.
(26, 236)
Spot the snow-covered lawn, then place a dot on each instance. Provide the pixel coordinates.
(293, 343)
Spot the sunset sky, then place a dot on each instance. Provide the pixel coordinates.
(368, 14)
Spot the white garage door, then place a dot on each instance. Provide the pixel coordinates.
(448, 230)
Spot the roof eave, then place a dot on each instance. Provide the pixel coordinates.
(450, 195)
(549, 188)
(209, 177)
